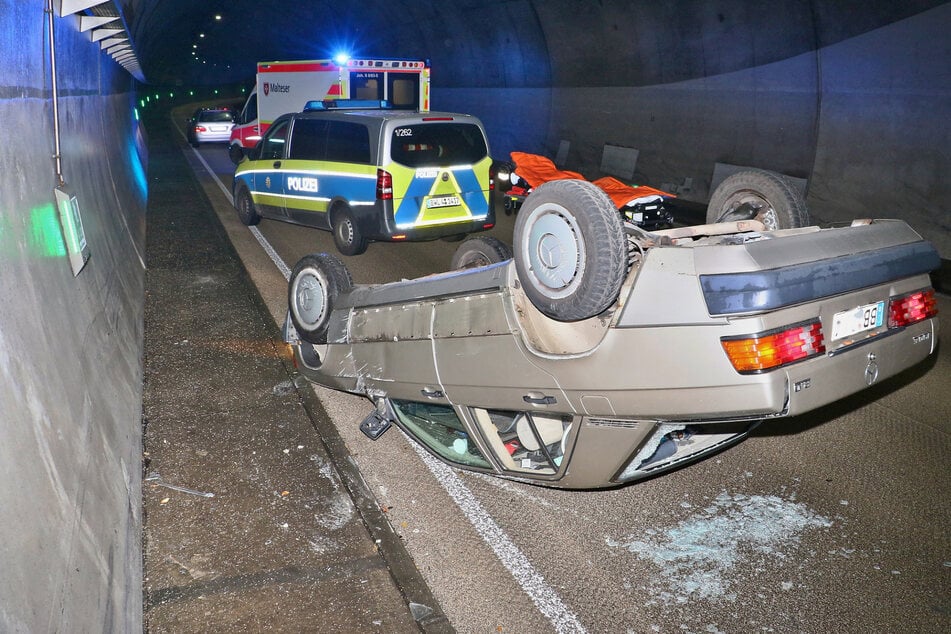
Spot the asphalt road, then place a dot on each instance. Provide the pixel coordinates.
(833, 522)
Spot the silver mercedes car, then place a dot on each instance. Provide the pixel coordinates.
(595, 353)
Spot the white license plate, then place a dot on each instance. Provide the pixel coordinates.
(860, 319)
(442, 201)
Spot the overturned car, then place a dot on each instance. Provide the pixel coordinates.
(601, 353)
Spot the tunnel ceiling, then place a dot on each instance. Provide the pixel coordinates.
(497, 43)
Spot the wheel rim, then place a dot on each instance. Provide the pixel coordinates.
(554, 253)
(764, 209)
(474, 260)
(345, 231)
(310, 298)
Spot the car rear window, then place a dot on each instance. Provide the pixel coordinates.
(438, 143)
(213, 116)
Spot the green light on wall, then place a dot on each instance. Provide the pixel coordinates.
(46, 238)
(191, 93)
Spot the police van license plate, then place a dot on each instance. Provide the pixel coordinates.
(851, 322)
(442, 201)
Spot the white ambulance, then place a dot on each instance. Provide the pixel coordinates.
(283, 87)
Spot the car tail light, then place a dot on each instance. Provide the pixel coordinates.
(384, 185)
(200, 128)
(765, 351)
(909, 309)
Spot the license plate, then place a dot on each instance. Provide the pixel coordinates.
(442, 201)
(860, 319)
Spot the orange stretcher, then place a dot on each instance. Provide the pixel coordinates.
(531, 170)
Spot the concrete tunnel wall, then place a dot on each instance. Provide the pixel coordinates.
(855, 100)
(70, 347)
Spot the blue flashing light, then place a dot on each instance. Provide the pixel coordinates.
(342, 58)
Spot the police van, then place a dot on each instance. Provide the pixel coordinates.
(370, 174)
(282, 87)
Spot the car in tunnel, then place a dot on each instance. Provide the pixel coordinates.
(365, 173)
(601, 353)
(210, 125)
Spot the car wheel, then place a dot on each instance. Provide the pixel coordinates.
(347, 234)
(195, 144)
(480, 251)
(244, 204)
(570, 250)
(235, 153)
(759, 195)
(316, 282)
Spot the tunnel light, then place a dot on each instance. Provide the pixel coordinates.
(218, 17)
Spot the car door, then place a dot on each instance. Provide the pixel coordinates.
(481, 360)
(440, 174)
(269, 176)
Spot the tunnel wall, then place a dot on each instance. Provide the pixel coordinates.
(851, 98)
(70, 347)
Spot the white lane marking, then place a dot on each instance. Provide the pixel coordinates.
(278, 262)
(531, 581)
(285, 271)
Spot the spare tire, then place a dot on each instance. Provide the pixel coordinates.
(570, 249)
(759, 195)
(316, 282)
(480, 251)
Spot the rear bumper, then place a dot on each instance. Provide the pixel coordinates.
(817, 383)
(376, 222)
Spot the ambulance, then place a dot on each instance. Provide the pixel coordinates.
(284, 87)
